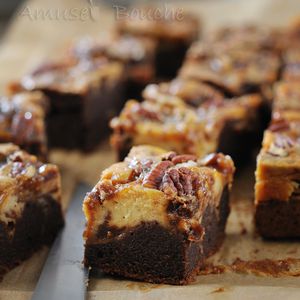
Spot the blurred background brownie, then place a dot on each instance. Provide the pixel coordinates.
(30, 210)
(193, 92)
(277, 195)
(173, 34)
(137, 54)
(232, 126)
(22, 121)
(235, 71)
(83, 95)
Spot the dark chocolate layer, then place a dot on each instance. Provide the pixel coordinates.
(41, 220)
(277, 219)
(150, 252)
(74, 122)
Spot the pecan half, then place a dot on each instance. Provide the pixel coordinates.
(169, 155)
(182, 182)
(147, 114)
(154, 177)
(183, 158)
(105, 190)
(139, 166)
(220, 162)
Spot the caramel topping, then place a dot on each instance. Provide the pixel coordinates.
(166, 171)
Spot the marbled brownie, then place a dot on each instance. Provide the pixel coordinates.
(157, 215)
(277, 194)
(83, 95)
(30, 205)
(22, 121)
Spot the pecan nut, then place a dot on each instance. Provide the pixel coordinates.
(154, 177)
(169, 155)
(181, 181)
(147, 114)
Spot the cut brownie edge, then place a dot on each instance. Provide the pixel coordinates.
(37, 227)
(149, 252)
(278, 219)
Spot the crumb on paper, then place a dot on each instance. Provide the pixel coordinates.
(265, 267)
(219, 290)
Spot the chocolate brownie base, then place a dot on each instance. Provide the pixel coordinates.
(73, 121)
(38, 226)
(169, 58)
(133, 90)
(240, 143)
(277, 219)
(123, 150)
(150, 252)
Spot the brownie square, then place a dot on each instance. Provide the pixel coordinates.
(235, 71)
(157, 215)
(162, 123)
(30, 210)
(170, 122)
(83, 95)
(22, 122)
(173, 35)
(277, 193)
(137, 55)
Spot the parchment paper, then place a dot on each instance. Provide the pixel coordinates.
(29, 40)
